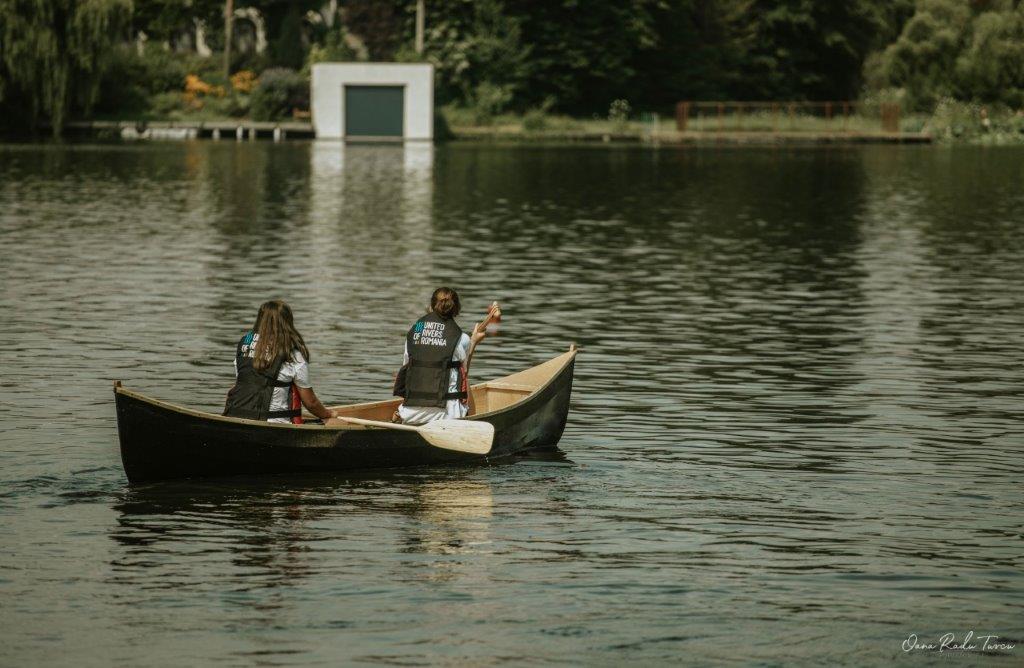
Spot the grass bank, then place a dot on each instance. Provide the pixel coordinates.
(951, 122)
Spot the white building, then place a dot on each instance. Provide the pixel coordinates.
(373, 101)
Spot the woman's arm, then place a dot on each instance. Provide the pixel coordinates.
(313, 405)
(476, 337)
(479, 334)
(305, 388)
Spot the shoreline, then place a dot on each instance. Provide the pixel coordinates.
(692, 137)
(239, 130)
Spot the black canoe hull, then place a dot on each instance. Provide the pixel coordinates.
(162, 442)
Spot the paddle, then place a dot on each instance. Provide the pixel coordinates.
(470, 436)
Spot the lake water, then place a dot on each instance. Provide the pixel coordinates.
(797, 430)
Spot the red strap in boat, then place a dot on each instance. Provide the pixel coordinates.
(296, 404)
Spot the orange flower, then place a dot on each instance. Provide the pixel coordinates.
(243, 81)
(196, 88)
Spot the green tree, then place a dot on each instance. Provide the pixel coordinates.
(923, 58)
(581, 53)
(163, 19)
(378, 23)
(53, 54)
(278, 92)
(809, 49)
(477, 51)
(287, 48)
(693, 54)
(991, 66)
(949, 49)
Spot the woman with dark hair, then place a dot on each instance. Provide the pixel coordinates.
(272, 371)
(434, 378)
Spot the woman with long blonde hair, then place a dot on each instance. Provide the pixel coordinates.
(272, 371)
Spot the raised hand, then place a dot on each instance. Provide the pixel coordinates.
(487, 325)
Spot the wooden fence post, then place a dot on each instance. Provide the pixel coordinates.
(682, 115)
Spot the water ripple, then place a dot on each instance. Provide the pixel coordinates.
(795, 436)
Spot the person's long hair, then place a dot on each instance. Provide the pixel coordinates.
(445, 303)
(276, 334)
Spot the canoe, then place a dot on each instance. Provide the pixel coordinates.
(163, 441)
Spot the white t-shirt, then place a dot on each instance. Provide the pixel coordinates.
(454, 408)
(295, 371)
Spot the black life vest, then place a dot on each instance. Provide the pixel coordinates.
(254, 389)
(425, 379)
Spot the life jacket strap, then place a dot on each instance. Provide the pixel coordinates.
(284, 414)
(436, 364)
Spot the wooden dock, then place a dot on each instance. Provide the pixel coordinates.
(237, 130)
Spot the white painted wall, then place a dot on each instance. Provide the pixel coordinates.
(327, 101)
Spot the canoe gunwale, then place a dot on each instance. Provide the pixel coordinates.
(569, 358)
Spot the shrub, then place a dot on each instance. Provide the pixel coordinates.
(977, 123)
(243, 82)
(197, 90)
(166, 104)
(618, 113)
(990, 67)
(536, 119)
(442, 131)
(238, 105)
(133, 78)
(278, 92)
(333, 49)
(151, 82)
(489, 100)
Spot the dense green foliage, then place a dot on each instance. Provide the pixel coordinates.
(485, 60)
(133, 78)
(60, 57)
(278, 92)
(582, 55)
(794, 49)
(53, 54)
(165, 19)
(954, 49)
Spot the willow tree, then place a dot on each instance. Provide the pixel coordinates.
(53, 54)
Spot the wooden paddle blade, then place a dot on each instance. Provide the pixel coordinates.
(462, 435)
(470, 436)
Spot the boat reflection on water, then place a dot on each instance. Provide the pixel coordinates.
(267, 531)
(450, 526)
(450, 533)
(253, 533)
(271, 559)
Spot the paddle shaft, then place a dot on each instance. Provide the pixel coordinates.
(378, 423)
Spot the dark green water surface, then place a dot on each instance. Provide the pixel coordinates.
(797, 431)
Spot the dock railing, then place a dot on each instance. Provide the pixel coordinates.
(787, 117)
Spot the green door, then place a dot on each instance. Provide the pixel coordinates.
(374, 111)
